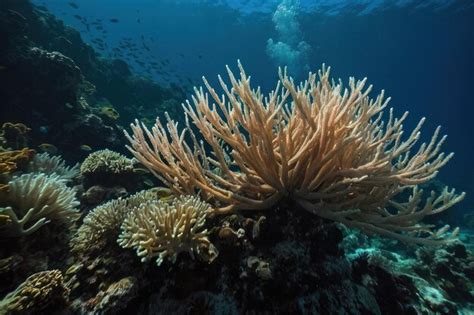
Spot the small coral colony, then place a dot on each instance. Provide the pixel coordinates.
(328, 149)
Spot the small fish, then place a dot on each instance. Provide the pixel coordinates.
(73, 5)
(163, 193)
(44, 129)
(141, 170)
(85, 147)
(48, 148)
(148, 183)
(114, 20)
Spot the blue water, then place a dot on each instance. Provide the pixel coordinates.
(420, 52)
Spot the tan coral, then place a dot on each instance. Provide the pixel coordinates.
(319, 143)
(17, 160)
(164, 230)
(39, 291)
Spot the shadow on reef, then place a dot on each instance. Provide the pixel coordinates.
(63, 90)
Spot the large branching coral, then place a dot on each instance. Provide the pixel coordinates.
(166, 229)
(326, 146)
(34, 200)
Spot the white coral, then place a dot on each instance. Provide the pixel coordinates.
(35, 200)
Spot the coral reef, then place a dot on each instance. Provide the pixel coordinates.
(106, 162)
(316, 146)
(166, 229)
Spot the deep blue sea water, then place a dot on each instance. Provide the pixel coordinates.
(420, 52)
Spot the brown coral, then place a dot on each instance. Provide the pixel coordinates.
(16, 160)
(39, 291)
(166, 229)
(15, 135)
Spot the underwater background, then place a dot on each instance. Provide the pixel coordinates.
(75, 74)
(419, 52)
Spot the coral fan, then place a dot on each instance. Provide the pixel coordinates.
(35, 200)
(329, 149)
(39, 291)
(47, 164)
(163, 230)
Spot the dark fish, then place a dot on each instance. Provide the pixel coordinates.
(200, 56)
(114, 20)
(48, 148)
(73, 5)
(78, 17)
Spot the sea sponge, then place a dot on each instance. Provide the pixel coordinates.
(11, 161)
(47, 164)
(103, 223)
(39, 291)
(106, 161)
(14, 135)
(166, 229)
(34, 200)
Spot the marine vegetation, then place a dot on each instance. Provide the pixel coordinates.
(325, 146)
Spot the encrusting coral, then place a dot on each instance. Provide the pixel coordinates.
(47, 164)
(39, 291)
(34, 200)
(325, 146)
(166, 229)
(14, 135)
(106, 161)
